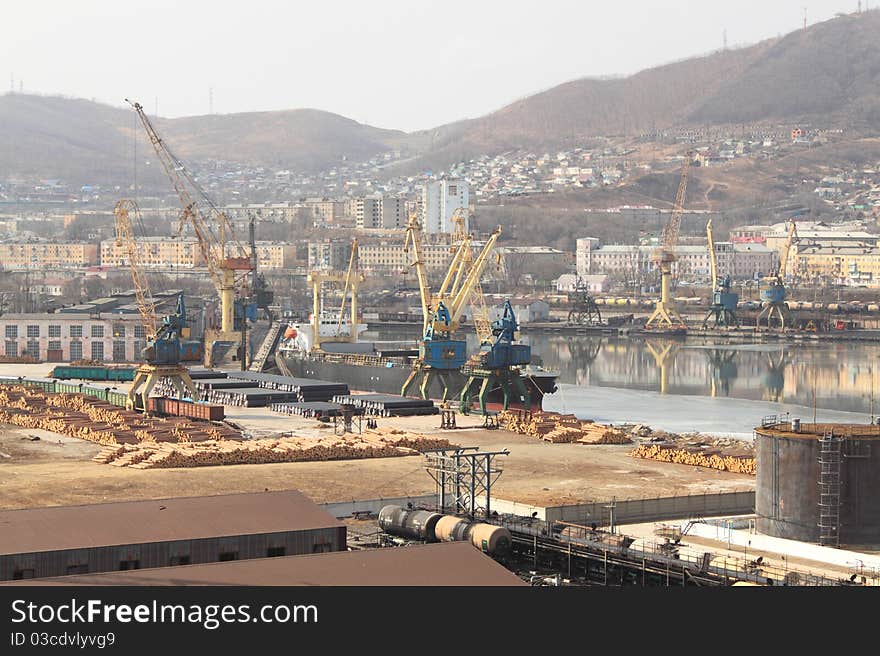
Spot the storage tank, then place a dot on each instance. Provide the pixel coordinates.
(413, 524)
(801, 474)
(493, 540)
(452, 529)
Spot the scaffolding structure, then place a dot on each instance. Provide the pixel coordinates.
(464, 479)
(829, 489)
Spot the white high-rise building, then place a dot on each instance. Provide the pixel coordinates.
(440, 199)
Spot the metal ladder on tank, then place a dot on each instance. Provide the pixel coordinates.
(829, 489)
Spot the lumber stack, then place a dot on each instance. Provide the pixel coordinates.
(89, 418)
(555, 427)
(372, 444)
(735, 464)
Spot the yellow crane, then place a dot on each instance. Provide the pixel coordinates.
(724, 301)
(228, 261)
(665, 313)
(162, 352)
(482, 323)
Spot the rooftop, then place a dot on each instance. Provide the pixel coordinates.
(159, 520)
(440, 564)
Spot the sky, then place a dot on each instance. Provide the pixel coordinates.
(399, 64)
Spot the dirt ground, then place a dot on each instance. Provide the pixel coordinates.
(58, 470)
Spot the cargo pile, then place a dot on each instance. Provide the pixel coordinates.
(388, 405)
(370, 444)
(696, 458)
(556, 428)
(89, 418)
(311, 409)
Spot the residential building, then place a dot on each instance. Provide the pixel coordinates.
(367, 212)
(41, 255)
(155, 252)
(440, 199)
(329, 254)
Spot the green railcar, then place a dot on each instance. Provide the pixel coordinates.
(66, 372)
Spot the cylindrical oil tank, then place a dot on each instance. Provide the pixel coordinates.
(413, 524)
(493, 540)
(452, 529)
(792, 469)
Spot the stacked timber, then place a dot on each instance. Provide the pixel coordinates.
(89, 418)
(556, 428)
(388, 405)
(378, 444)
(661, 453)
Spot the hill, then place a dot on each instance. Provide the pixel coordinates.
(87, 142)
(828, 74)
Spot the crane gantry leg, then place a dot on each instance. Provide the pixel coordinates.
(146, 378)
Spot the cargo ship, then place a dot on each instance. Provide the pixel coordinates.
(383, 367)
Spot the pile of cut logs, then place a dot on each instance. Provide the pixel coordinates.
(370, 444)
(88, 418)
(714, 460)
(555, 427)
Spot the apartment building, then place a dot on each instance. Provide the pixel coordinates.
(155, 252)
(390, 257)
(41, 255)
(440, 199)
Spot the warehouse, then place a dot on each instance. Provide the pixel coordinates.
(444, 563)
(59, 541)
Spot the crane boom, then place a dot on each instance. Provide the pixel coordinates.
(783, 260)
(223, 253)
(412, 237)
(669, 237)
(459, 301)
(350, 283)
(125, 238)
(712, 260)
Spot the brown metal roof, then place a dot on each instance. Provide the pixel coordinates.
(159, 520)
(443, 563)
(811, 431)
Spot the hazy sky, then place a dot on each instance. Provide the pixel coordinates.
(405, 64)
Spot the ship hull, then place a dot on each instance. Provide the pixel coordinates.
(389, 378)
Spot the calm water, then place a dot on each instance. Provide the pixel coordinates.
(705, 385)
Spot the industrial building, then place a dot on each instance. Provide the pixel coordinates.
(441, 564)
(816, 482)
(57, 541)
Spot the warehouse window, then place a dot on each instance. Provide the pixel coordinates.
(118, 330)
(76, 331)
(98, 351)
(33, 331)
(23, 574)
(54, 331)
(55, 345)
(179, 560)
(228, 555)
(76, 351)
(97, 330)
(12, 349)
(11, 332)
(139, 346)
(140, 332)
(33, 349)
(322, 547)
(77, 569)
(271, 552)
(129, 564)
(118, 351)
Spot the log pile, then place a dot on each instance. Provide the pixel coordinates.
(556, 428)
(89, 418)
(713, 460)
(371, 444)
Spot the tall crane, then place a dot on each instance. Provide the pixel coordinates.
(351, 280)
(482, 323)
(724, 301)
(665, 314)
(439, 352)
(228, 261)
(774, 293)
(162, 352)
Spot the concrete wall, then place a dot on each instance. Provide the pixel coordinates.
(348, 508)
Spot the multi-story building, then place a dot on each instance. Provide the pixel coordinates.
(41, 255)
(155, 252)
(390, 256)
(394, 213)
(64, 337)
(330, 254)
(367, 212)
(440, 199)
(842, 263)
(275, 255)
